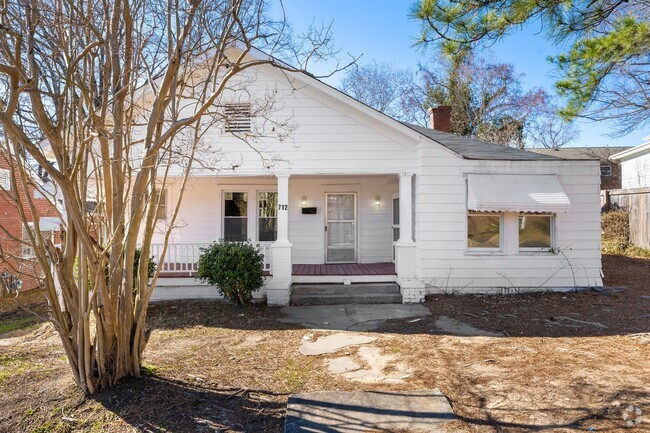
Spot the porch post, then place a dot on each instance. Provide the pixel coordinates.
(278, 288)
(411, 288)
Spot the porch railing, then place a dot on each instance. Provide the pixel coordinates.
(184, 257)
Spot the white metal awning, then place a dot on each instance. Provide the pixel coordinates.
(516, 193)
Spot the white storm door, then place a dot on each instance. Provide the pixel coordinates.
(340, 228)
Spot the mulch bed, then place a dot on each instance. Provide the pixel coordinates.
(213, 367)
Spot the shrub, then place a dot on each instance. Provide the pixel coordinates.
(235, 267)
(616, 235)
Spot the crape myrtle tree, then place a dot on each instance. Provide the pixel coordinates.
(604, 71)
(109, 98)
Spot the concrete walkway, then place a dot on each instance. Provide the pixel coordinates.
(350, 317)
(354, 412)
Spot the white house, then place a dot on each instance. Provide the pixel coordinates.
(635, 165)
(353, 196)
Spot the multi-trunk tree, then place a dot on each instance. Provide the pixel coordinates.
(108, 98)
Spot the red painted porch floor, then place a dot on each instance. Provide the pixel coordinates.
(345, 269)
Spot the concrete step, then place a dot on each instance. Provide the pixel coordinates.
(345, 299)
(343, 289)
(333, 294)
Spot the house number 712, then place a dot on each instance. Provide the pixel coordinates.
(283, 206)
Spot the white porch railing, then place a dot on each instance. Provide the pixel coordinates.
(184, 257)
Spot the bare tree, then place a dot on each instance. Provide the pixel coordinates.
(388, 89)
(120, 94)
(487, 98)
(552, 131)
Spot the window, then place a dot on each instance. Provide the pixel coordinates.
(162, 209)
(484, 231)
(395, 224)
(606, 170)
(235, 218)
(238, 117)
(267, 216)
(5, 179)
(535, 232)
(28, 251)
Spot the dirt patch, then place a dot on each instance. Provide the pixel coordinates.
(213, 367)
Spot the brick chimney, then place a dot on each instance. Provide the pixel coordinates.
(440, 118)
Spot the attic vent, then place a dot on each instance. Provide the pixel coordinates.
(5, 179)
(238, 117)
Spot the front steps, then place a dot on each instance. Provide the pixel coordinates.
(333, 294)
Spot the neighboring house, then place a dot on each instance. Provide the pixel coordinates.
(635, 165)
(355, 196)
(16, 255)
(610, 169)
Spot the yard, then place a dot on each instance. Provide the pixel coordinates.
(212, 367)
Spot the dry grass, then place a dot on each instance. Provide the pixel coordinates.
(212, 367)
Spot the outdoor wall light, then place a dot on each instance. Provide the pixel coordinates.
(304, 201)
(377, 201)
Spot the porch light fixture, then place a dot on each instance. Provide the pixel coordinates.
(377, 201)
(304, 201)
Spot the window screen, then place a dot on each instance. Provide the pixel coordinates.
(235, 221)
(267, 221)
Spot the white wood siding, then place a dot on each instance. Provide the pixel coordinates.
(635, 172)
(201, 215)
(441, 228)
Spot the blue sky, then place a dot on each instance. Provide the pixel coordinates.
(381, 30)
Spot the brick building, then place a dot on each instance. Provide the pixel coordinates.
(16, 258)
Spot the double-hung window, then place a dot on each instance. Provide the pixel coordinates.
(484, 231)
(235, 218)
(267, 216)
(160, 194)
(535, 232)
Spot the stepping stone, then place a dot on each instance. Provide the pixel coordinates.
(342, 365)
(333, 343)
(354, 412)
(456, 327)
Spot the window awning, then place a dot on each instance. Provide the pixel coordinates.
(516, 193)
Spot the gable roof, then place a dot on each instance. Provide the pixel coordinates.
(582, 153)
(632, 152)
(469, 148)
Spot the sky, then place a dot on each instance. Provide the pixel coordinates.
(381, 30)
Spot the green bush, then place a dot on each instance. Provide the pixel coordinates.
(235, 267)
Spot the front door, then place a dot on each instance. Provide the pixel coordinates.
(341, 228)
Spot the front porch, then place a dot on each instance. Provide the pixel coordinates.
(321, 229)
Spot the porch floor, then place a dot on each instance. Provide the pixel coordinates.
(345, 269)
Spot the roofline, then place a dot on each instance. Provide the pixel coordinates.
(343, 97)
(642, 148)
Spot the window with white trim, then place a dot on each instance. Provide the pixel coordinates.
(162, 208)
(235, 217)
(237, 117)
(395, 225)
(605, 170)
(5, 179)
(484, 231)
(27, 250)
(535, 232)
(267, 216)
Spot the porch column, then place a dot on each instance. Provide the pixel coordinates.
(278, 287)
(411, 288)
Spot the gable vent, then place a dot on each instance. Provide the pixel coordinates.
(5, 179)
(238, 117)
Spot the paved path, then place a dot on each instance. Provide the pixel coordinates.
(351, 317)
(354, 412)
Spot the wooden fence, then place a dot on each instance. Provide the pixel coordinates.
(637, 202)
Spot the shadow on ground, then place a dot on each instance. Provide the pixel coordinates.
(156, 404)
